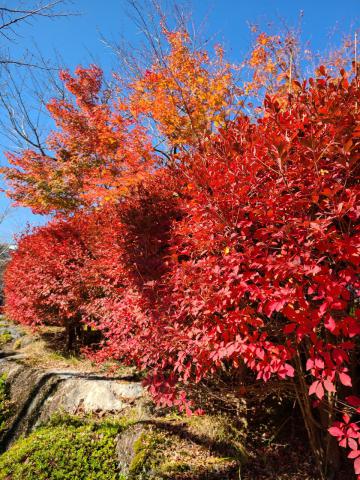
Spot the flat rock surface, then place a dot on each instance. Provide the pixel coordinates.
(92, 395)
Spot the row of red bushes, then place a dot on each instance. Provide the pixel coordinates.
(246, 253)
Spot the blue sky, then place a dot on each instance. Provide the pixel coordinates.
(78, 40)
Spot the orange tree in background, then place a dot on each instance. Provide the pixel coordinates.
(185, 93)
(106, 142)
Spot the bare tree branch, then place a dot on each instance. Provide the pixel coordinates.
(12, 16)
(25, 92)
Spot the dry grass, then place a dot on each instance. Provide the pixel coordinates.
(42, 348)
(177, 447)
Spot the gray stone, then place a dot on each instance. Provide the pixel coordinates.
(24, 341)
(38, 394)
(75, 395)
(125, 446)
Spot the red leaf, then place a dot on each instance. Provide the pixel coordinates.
(289, 328)
(345, 379)
(330, 323)
(343, 443)
(352, 444)
(346, 418)
(313, 387)
(353, 401)
(318, 389)
(329, 386)
(336, 432)
(357, 466)
(354, 454)
(319, 363)
(309, 364)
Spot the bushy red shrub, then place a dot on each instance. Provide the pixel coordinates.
(244, 253)
(262, 267)
(45, 281)
(267, 240)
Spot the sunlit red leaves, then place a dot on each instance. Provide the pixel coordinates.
(260, 238)
(45, 281)
(348, 435)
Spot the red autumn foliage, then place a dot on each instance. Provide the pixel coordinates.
(263, 265)
(95, 154)
(245, 253)
(63, 272)
(266, 253)
(45, 281)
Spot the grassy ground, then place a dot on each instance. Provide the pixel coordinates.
(41, 348)
(170, 448)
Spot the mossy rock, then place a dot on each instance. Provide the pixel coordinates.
(148, 455)
(5, 337)
(73, 450)
(5, 404)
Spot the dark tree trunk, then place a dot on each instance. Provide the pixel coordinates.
(71, 337)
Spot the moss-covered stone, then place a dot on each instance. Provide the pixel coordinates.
(148, 455)
(5, 337)
(5, 404)
(196, 448)
(174, 467)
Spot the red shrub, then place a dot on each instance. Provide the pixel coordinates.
(247, 253)
(45, 280)
(263, 264)
(266, 255)
(130, 260)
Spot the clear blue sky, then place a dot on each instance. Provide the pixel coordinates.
(78, 41)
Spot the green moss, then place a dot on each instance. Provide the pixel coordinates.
(172, 467)
(78, 448)
(5, 337)
(5, 405)
(64, 449)
(147, 455)
(188, 447)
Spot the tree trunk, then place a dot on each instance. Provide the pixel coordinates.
(312, 427)
(71, 337)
